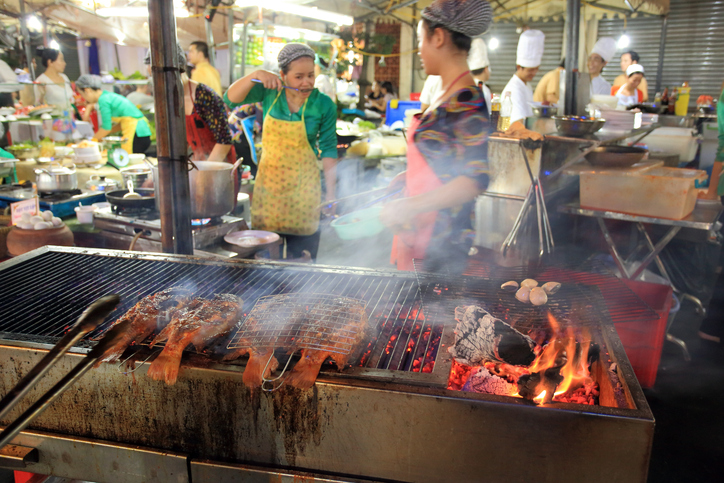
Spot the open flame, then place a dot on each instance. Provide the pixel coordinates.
(558, 373)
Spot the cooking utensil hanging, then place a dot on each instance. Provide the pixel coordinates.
(88, 321)
(535, 193)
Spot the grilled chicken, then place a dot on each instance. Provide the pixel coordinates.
(347, 339)
(151, 313)
(199, 322)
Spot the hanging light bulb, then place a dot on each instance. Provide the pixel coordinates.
(382, 63)
(624, 41)
(493, 44)
(54, 44)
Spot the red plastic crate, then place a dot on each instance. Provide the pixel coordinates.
(644, 340)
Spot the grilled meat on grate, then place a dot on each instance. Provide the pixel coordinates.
(480, 337)
(151, 313)
(199, 322)
(345, 328)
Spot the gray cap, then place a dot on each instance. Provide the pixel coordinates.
(180, 57)
(292, 52)
(468, 17)
(89, 80)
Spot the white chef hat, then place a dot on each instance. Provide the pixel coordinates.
(634, 69)
(605, 47)
(530, 48)
(478, 55)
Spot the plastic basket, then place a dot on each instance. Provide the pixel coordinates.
(396, 110)
(644, 340)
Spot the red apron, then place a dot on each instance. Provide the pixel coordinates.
(420, 179)
(201, 140)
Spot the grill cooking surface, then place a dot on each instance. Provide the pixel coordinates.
(45, 294)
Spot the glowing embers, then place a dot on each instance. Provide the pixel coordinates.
(559, 373)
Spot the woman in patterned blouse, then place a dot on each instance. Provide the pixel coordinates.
(447, 163)
(207, 127)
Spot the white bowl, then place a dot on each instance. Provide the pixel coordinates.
(84, 214)
(92, 150)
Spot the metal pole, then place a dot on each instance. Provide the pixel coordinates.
(210, 43)
(244, 46)
(573, 14)
(173, 179)
(232, 46)
(26, 40)
(662, 49)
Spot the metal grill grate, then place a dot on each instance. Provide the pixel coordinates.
(300, 321)
(46, 293)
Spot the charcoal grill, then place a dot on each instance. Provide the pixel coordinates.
(386, 419)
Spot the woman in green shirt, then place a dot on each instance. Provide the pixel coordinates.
(299, 129)
(116, 112)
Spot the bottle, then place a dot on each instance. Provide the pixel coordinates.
(657, 99)
(665, 97)
(506, 109)
(495, 110)
(672, 101)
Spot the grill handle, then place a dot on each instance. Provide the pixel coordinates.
(14, 456)
(88, 321)
(94, 315)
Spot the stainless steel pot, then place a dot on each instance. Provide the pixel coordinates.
(57, 178)
(211, 185)
(101, 183)
(137, 175)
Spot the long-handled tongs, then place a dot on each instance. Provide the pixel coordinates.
(545, 234)
(88, 321)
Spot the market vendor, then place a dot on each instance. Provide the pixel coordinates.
(116, 112)
(528, 59)
(207, 126)
(299, 129)
(629, 93)
(447, 166)
(53, 86)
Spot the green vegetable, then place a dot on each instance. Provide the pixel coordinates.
(366, 126)
(136, 76)
(117, 74)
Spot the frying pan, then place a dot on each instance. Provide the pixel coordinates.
(147, 199)
(616, 156)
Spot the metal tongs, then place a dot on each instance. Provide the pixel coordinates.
(545, 234)
(91, 318)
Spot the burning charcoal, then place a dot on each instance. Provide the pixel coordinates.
(480, 337)
(481, 380)
(531, 386)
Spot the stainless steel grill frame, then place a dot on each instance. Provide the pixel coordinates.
(371, 425)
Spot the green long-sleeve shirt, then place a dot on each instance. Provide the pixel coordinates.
(320, 116)
(113, 105)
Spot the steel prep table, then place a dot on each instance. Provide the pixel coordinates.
(704, 217)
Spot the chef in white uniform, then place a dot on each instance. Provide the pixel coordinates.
(602, 53)
(480, 68)
(528, 60)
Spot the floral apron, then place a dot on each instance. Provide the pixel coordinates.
(288, 188)
(128, 130)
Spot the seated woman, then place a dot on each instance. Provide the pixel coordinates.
(629, 94)
(447, 166)
(116, 113)
(380, 96)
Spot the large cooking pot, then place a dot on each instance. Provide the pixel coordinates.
(211, 186)
(137, 175)
(56, 178)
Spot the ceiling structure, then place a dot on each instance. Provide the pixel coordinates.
(82, 15)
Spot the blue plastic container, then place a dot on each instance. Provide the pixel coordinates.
(398, 113)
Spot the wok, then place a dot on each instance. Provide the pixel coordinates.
(616, 156)
(147, 199)
(577, 126)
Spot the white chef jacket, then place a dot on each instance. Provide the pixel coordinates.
(599, 86)
(488, 98)
(522, 95)
(431, 90)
